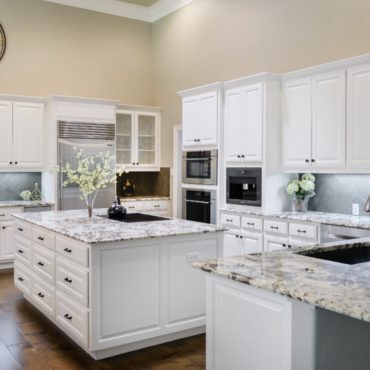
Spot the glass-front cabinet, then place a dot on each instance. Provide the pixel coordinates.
(137, 140)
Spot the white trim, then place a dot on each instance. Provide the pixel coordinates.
(177, 173)
(78, 99)
(127, 10)
(216, 86)
(260, 77)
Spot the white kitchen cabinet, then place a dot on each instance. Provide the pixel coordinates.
(200, 120)
(296, 124)
(7, 240)
(231, 244)
(273, 243)
(138, 140)
(247, 328)
(22, 139)
(314, 122)
(237, 243)
(244, 124)
(358, 118)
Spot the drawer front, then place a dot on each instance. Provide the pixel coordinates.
(43, 263)
(43, 237)
(6, 212)
(275, 227)
(73, 280)
(156, 205)
(22, 278)
(133, 206)
(23, 229)
(71, 317)
(302, 231)
(252, 223)
(229, 220)
(275, 243)
(43, 296)
(73, 250)
(22, 250)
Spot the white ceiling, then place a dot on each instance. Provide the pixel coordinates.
(142, 10)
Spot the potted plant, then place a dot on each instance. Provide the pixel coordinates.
(91, 174)
(301, 190)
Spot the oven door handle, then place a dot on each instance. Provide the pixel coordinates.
(197, 201)
(199, 159)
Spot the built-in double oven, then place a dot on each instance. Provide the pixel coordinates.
(199, 205)
(244, 186)
(199, 167)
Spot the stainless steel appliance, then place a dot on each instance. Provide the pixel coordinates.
(244, 186)
(199, 167)
(199, 205)
(92, 138)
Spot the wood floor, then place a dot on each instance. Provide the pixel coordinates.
(30, 341)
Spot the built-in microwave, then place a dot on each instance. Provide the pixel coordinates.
(199, 167)
(244, 186)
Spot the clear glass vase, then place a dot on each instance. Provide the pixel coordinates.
(90, 200)
(300, 204)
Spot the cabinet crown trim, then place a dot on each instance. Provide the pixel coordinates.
(217, 86)
(248, 80)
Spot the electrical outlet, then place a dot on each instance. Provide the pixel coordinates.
(192, 257)
(355, 209)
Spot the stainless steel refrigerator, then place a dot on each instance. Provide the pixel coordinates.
(92, 138)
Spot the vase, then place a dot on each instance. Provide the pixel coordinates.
(90, 199)
(300, 204)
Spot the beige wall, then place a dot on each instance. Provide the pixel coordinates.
(54, 49)
(218, 40)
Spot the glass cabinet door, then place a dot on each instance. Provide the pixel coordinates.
(146, 144)
(124, 138)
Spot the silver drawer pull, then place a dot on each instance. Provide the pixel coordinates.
(302, 231)
(250, 223)
(274, 227)
(156, 206)
(66, 279)
(68, 317)
(20, 229)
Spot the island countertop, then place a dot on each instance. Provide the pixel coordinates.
(76, 225)
(337, 287)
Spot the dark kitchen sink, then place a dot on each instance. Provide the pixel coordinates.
(349, 256)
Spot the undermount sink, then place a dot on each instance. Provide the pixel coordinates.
(349, 256)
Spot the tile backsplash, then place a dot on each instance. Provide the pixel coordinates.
(337, 193)
(12, 184)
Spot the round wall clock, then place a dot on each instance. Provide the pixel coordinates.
(2, 42)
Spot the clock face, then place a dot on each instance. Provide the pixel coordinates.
(2, 42)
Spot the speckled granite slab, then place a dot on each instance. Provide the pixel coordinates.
(361, 222)
(77, 225)
(23, 203)
(337, 287)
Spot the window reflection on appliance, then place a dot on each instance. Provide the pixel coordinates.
(244, 186)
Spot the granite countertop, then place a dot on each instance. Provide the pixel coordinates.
(337, 287)
(24, 203)
(143, 198)
(76, 224)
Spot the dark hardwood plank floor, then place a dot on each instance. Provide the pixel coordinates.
(30, 341)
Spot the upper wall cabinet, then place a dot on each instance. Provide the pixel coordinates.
(138, 140)
(200, 118)
(22, 137)
(358, 118)
(243, 125)
(313, 119)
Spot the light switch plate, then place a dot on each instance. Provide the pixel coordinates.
(355, 209)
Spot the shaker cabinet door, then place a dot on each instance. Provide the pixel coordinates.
(208, 119)
(190, 131)
(6, 137)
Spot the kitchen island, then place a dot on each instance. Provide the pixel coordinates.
(114, 287)
(285, 310)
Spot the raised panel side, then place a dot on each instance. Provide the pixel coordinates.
(6, 137)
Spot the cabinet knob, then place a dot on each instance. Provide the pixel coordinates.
(20, 251)
(238, 155)
(133, 163)
(10, 162)
(40, 238)
(236, 236)
(40, 295)
(313, 160)
(307, 161)
(20, 278)
(4, 227)
(284, 245)
(137, 163)
(15, 162)
(243, 156)
(20, 229)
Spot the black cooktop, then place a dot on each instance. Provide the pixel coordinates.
(136, 217)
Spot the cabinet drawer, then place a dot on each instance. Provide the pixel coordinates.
(43, 296)
(275, 227)
(43, 263)
(43, 237)
(23, 229)
(133, 206)
(72, 317)
(271, 243)
(252, 223)
(228, 220)
(22, 250)
(72, 279)
(156, 205)
(73, 250)
(6, 212)
(302, 231)
(22, 278)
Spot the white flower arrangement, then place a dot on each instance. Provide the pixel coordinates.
(91, 174)
(302, 188)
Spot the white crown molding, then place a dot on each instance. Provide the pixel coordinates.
(127, 10)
